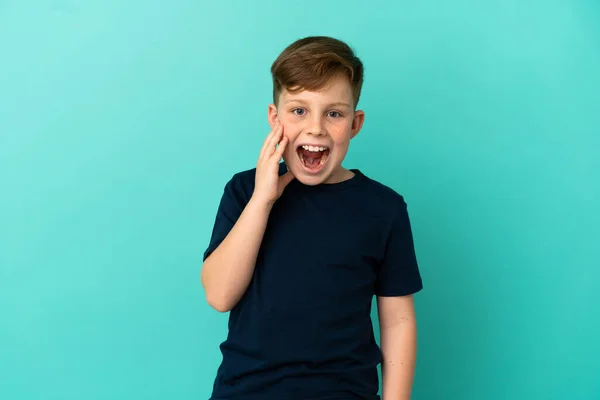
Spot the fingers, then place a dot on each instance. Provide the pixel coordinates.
(278, 153)
(267, 140)
(276, 138)
(268, 147)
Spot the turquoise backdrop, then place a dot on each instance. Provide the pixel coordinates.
(121, 121)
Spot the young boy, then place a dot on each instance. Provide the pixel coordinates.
(299, 249)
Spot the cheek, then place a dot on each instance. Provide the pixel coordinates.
(290, 149)
(290, 131)
(340, 129)
(341, 137)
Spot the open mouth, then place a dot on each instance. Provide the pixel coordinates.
(313, 158)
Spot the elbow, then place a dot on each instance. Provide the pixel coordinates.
(219, 304)
(216, 297)
(219, 301)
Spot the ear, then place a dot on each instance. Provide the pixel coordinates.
(272, 115)
(357, 122)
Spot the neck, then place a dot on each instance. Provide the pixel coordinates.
(340, 175)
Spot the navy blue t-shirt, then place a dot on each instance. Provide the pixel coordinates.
(303, 328)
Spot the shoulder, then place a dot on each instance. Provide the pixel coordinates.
(244, 181)
(382, 195)
(245, 177)
(241, 185)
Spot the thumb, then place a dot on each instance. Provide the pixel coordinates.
(285, 179)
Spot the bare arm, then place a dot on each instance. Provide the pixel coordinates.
(227, 272)
(398, 329)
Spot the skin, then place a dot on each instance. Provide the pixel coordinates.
(398, 338)
(226, 273)
(324, 118)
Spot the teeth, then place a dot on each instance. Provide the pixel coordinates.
(314, 148)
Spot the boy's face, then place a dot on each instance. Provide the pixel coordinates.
(319, 126)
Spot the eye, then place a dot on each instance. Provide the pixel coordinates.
(299, 111)
(334, 114)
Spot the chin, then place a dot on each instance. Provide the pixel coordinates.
(311, 180)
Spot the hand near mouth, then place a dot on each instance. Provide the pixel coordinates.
(269, 185)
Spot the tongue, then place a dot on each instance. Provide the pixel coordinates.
(311, 158)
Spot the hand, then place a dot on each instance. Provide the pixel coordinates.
(269, 185)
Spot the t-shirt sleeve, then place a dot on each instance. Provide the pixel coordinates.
(399, 273)
(230, 208)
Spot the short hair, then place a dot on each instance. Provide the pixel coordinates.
(312, 62)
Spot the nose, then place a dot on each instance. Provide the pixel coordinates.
(315, 126)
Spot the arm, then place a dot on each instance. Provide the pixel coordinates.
(227, 272)
(398, 330)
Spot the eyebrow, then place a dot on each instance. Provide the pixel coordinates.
(337, 103)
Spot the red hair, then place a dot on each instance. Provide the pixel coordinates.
(312, 62)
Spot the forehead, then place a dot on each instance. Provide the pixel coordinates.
(338, 90)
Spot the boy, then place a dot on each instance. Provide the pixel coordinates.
(299, 249)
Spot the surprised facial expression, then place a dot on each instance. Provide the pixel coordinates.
(319, 126)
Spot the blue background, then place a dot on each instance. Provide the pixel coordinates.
(121, 121)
